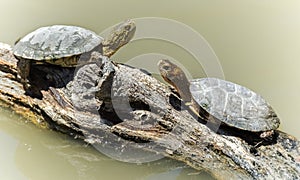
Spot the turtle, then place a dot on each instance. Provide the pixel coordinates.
(65, 45)
(218, 100)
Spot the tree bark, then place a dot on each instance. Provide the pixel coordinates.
(120, 109)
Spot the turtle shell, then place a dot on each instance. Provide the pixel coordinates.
(234, 105)
(57, 41)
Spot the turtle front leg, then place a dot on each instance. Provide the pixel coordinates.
(23, 66)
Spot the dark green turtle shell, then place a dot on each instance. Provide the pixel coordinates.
(234, 105)
(57, 41)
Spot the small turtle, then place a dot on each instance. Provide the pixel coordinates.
(224, 101)
(64, 46)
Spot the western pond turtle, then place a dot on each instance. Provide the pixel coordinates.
(230, 103)
(65, 45)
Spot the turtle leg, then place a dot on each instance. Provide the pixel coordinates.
(23, 66)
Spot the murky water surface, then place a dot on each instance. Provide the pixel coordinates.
(256, 42)
(31, 153)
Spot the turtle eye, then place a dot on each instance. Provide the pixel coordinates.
(167, 68)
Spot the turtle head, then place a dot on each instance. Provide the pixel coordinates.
(126, 27)
(118, 37)
(175, 76)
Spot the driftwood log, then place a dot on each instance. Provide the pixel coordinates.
(121, 109)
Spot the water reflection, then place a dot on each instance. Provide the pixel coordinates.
(33, 153)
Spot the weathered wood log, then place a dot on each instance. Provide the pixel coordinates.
(118, 108)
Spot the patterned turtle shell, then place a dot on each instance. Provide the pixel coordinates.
(234, 105)
(57, 41)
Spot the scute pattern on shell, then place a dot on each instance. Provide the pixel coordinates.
(234, 105)
(57, 41)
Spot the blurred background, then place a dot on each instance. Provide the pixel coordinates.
(257, 43)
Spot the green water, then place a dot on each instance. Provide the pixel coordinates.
(31, 153)
(257, 44)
